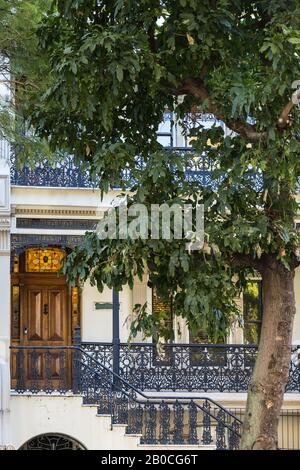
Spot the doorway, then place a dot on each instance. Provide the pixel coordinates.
(41, 326)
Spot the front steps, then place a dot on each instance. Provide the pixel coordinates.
(33, 415)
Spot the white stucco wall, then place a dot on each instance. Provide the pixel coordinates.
(126, 306)
(96, 324)
(60, 197)
(140, 295)
(35, 415)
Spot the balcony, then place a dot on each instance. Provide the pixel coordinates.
(189, 367)
(176, 367)
(66, 174)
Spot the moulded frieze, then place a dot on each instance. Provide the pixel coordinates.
(78, 212)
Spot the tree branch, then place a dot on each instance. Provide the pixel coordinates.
(283, 119)
(151, 36)
(18, 82)
(195, 87)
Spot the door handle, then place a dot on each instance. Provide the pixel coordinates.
(25, 330)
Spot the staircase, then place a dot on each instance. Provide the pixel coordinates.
(150, 420)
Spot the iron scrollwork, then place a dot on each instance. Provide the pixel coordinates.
(190, 367)
(218, 368)
(52, 442)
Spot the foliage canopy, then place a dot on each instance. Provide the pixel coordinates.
(116, 65)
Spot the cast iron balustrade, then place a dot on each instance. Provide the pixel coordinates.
(179, 420)
(61, 174)
(43, 369)
(179, 367)
(189, 367)
(65, 173)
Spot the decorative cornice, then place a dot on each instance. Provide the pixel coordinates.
(78, 212)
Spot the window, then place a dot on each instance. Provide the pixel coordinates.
(165, 130)
(44, 259)
(52, 442)
(252, 312)
(162, 307)
(206, 355)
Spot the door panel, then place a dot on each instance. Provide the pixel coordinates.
(45, 316)
(45, 321)
(56, 315)
(33, 327)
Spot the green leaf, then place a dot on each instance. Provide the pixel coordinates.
(74, 67)
(119, 72)
(294, 40)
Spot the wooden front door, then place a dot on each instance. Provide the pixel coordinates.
(45, 315)
(46, 323)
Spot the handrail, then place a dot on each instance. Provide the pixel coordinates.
(165, 398)
(151, 399)
(184, 345)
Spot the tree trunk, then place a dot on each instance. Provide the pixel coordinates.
(270, 376)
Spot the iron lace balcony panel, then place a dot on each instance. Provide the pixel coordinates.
(189, 367)
(177, 367)
(65, 173)
(41, 369)
(62, 174)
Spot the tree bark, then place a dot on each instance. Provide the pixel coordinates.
(271, 371)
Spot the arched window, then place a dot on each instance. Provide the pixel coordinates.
(52, 442)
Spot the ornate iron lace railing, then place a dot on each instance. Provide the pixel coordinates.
(189, 367)
(177, 367)
(179, 420)
(61, 174)
(66, 173)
